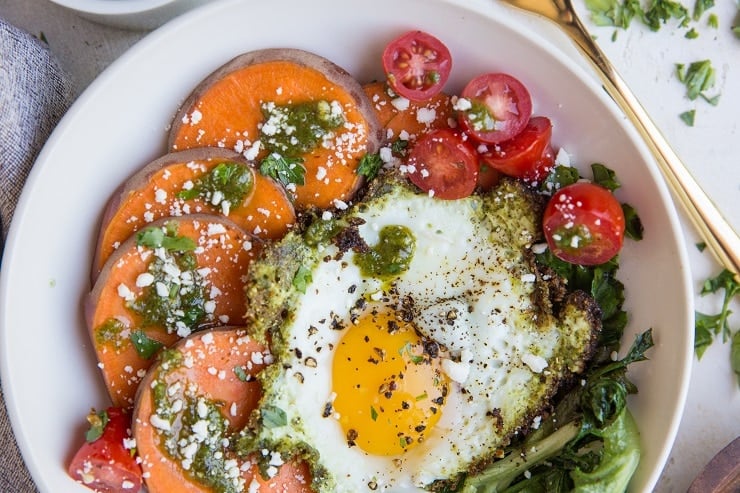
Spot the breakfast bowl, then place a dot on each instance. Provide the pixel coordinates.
(121, 122)
(129, 14)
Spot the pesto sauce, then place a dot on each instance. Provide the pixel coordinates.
(109, 334)
(182, 305)
(296, 129)
(321, 231)
(392, 254)
(480, 118)
(208, 464)
(226, 182)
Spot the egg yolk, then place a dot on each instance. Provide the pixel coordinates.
(389, 390)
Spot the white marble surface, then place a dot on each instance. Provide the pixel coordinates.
(646, 60)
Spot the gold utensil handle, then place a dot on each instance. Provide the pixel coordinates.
(720, 237)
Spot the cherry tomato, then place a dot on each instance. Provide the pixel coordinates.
(444, 163)
(417, 65)
(105, 464)
(527, 155)
(487, 177)
(584, 224)
(500, 107)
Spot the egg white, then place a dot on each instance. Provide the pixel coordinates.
(473, 287)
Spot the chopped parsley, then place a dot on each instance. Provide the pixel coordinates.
(698, 78)
(98, 421)
(286, 170)
(145, 346)
(708, 327)
(688, 117)
(605, 177)
(616, 13)
(369, 166)
(154, 237)
(373, 413)
(701, 6)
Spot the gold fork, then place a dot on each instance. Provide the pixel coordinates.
(719, 236)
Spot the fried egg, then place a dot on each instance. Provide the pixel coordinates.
(413, 336)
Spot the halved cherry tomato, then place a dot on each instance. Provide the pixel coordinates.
(417, 65)
(500, 107)
(524, 156)
(487, 177)
(106, 465)
(444, 163)
(584, 224)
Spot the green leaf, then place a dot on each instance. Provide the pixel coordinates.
(697, 77)
(688, 117)
(399, 147)
(633, 225)
(701, 246)
(614, 12)
(660, 11)
(605, 177)
(735, 355)
(145, 346)
(98, 421)
(155, 237)
(714, 100)
(286, 170)
(273, 417)
(373, 413)
(691, 34)
(701, 6)
(302, 279)
(713, 21)
(369, 166)
(559, 177)
(703, 333)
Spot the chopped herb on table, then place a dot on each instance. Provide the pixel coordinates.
(710, 326)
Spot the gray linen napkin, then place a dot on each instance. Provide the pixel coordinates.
(34, 94)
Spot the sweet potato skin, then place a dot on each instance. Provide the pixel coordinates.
(227, 255)
(226, 110)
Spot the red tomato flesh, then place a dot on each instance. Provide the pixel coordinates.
(500, 107)
(106, 465)
(417, 65)
(584, 224)
(444, 164)
(527, 155)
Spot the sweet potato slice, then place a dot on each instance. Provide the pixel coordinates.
(209, 374)
(226, 110)
(149, 296)
(156, 190)
(408, 119)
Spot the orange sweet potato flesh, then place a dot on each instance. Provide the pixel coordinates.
(152, 193)
(225, 110)
(214, 355)
(225, 250)
(415, 119)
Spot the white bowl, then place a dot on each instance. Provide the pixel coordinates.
(130, 14)
(120, 123)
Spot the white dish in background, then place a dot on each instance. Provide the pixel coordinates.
(119, 124)
(130, 14)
